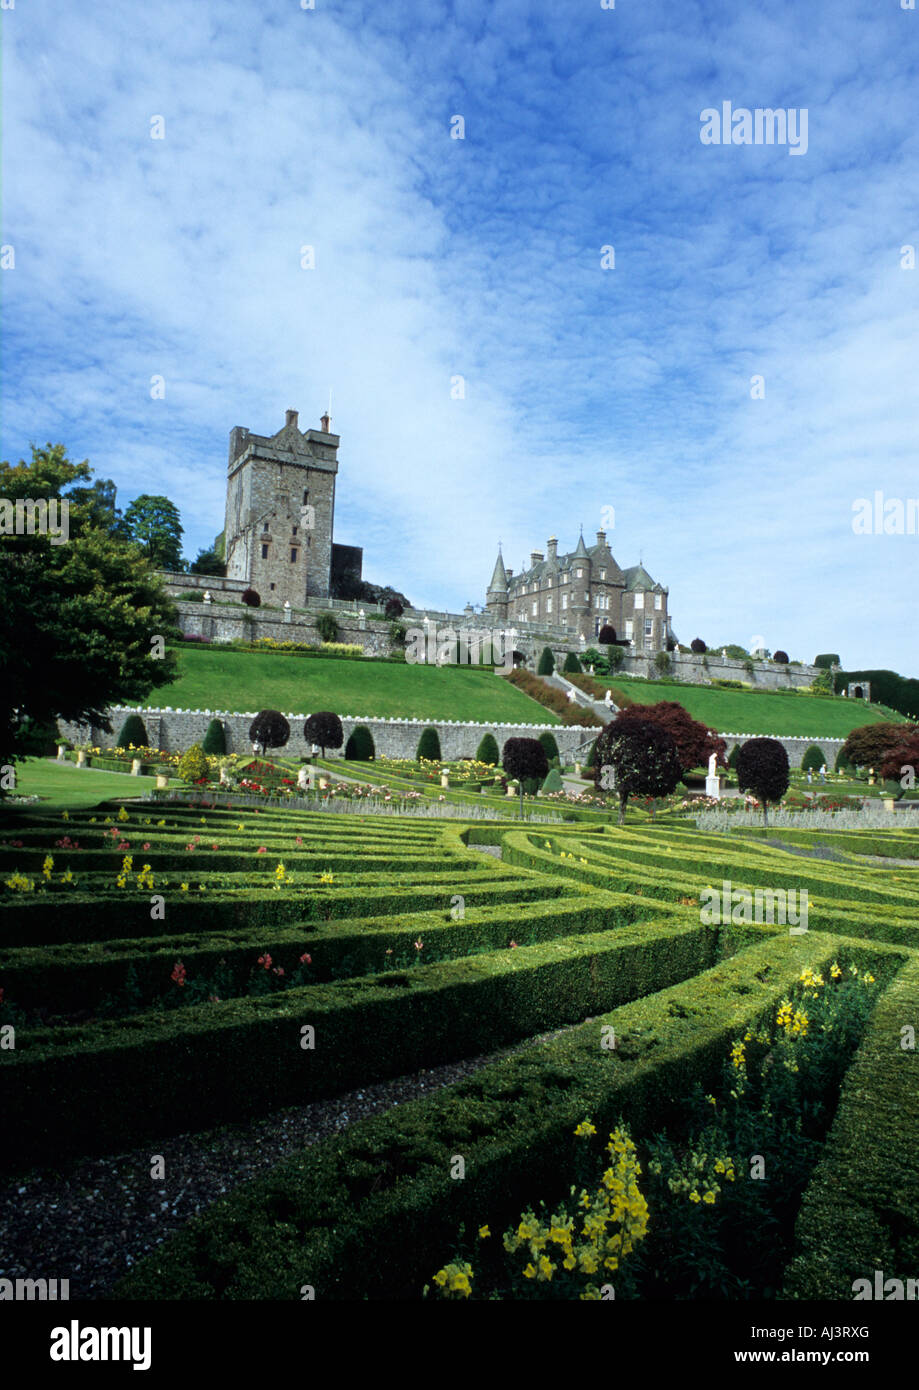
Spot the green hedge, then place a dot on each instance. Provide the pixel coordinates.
(76, 1090)
(373, 1211)
(859, 1212)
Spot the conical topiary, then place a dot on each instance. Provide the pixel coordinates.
(132, 731)
(488, 751)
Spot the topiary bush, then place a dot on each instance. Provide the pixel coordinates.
(360, 746)
(193, 764)
(270, 729)
(251, 597)
(546, 663)
(548, 742)
(488, 751)
(393, 608)
(842, 763)
(572, 665)
(327, 627)
(827, 659)
(523, 759)
(607, 635)
(642, 755)
(698, 646)
(132, 731)
(215, 740)
(429, 746)
(553, 782)
(662, 663)
(324, 728)
(781, 658)
(813, 759)
(762, 768)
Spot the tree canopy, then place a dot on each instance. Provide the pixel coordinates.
(84, 620)
(695, 741)
(643, 756)
(762, 768)
(154, 523)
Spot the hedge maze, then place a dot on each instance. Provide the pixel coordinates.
(186, 967)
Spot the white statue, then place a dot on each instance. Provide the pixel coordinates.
(608, 698)
(571, 696)
(713, 765)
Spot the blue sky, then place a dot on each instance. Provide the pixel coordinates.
(585, 388)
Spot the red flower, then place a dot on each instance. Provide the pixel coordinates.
(178, 973)
(261, 850)
(306, 958)
(146, 844)
(513, 944)
(278, 970)
(265, 960)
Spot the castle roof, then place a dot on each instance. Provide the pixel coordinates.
(637, 577)
(499, 577)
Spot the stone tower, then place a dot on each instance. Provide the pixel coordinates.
(496, 598)
(280, 510)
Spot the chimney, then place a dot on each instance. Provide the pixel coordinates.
(290, 418)
(535, 557)
(601, 538)
(552, 546)
(325, 421)
(508, 572)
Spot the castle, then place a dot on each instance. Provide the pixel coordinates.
(584, 591)
(280, 512)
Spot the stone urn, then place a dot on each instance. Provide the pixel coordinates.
(161, 782)
(135, 767)
(445, 779)
(81, 758)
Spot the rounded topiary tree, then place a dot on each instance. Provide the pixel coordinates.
(546, 663)
(327, 627)
(781, 658)
(429, 746)
(193, 764)
(360, 747)
(606, 636)
(733, 756)
(842, 763)
(762, 768)
(132, 731)
(572, 665)
(488, 751)
(698, 646)
(252, 597)
(524, 758)
(394, 608)
(215, 740)
(826, 660)
(636, 758)
(270, 729)
(324, 728)
(553, 781)
(548, 742)
(813, 759)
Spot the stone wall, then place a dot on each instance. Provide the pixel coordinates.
(176, 730)
(701, 670)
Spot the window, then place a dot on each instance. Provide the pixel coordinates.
(271, 586)
(535, 607)
(658, 601)
(295, 530)
(579, 574)
(265, 527)
(293, 554)
(649, 627)
(549, 604)
(639, 600)
(306, 495)
(264, 552)
(603, 574)
(564, 601)
(628, 628)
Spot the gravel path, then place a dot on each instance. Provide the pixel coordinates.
(91, 1221)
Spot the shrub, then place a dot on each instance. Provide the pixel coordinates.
(781, 658)
(616, 658)
(546, 663)
(251, 597)
(694, 740)
(762, 767)
(871, 744)
(644, 757)
(132, 731)
(733, 756)
(327, 627)
(842, 763)
(554, 699)
(270, 729)
(429, 746)
(827, 659)
(553, 782)
(324, 728)
(394, 608)
(488, 751)
(607, 635)
(215, 740)
(193, 764)
(813, 759)
(360, 747)
(524, 758)
(397, 633)
(698, 646)
(572, 664)
(663, 664)
(548, 742)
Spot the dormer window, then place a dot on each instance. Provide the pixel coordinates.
(640, 599)
(603, 574)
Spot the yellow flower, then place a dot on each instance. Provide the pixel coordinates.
(326, 877)
(47, 866)
(585, 1129)
(183, 887)
(835, 971)
(709, 1199)
(529, 1272)
(546, 1268)
(122, 814)
(694, 1196)
(868, 979)
(484, 1233)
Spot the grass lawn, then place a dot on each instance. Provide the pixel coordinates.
(238, 681)
(61, 785)
(762, 711)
